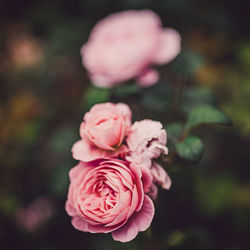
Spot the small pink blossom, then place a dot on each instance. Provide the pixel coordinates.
(124, 45)
(109, 196)
(102, 132)
(146, 141)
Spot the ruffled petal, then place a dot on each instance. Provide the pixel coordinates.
(139, 222)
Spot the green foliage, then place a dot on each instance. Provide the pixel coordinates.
(95, 95)
(62, 140)
(127, 89)
(174, 131)
(190, 149)
(8, 203)
(158, 98)
(59, 181)
(206, 114)
(196, 96)
(188, 62)
(176, 238)
(214, 193)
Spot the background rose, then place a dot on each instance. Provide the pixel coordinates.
(108, 196)
(125, 44)
(103, 131)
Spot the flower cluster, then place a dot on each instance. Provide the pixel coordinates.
(112, 187)
(125, 45)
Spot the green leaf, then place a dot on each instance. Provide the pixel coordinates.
(174, 131)
(127, 89)
(96, 95)
(158, 98)
(206, 114)
(190, 149)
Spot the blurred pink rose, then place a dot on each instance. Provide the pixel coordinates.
(103, 131)
(35, 214)
(108, 196)
(124, 45)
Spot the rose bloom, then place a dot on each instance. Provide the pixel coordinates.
(124, 45)
(146, 141)
(108, 195)
(103, 131)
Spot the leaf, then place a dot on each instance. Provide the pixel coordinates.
(127, 89)
(174, 131)
(158, 98)
(190, 149)
(194, 97)
(206, 114)
(96, 95)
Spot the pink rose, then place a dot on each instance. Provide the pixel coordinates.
(124, 45)
(108, 196)
(146, 141)
(103, 131)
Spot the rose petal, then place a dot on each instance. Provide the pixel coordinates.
(153, 192)
(148, 78)
(160, 176)
(84, 151)
(70, 209)
(79, 224)
(170, 46)
(140, 221)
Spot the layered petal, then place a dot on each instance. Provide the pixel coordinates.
(105, 195)
(139, 222)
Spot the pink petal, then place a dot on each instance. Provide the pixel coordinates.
(77, 170)
(79, 224)
(84, 151)
(102, 81)
(160, 176)
(147, 179)
(148, 78)
(170, 46)
(153, 192)
(140, 221)
(70, 209)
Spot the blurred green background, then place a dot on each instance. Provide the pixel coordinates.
(44, 92)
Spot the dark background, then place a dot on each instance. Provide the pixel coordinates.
(44, 92)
